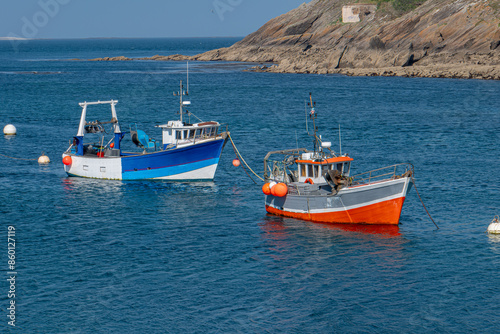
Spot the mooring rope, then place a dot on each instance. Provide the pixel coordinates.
(3, 155)
(245, 169)
(241, 158)
(415, 186)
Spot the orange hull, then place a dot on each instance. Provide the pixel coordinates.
(387, 212)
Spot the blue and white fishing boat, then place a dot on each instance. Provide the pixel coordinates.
(188, 151)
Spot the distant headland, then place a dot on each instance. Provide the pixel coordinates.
(411, 38)
(12, 39)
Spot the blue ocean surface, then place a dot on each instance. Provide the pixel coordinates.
(172, 257)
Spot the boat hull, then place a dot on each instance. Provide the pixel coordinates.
(377, 203)
(196, 162)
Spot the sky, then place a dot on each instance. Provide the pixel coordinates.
(137, 18)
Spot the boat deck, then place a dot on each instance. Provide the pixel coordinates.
(317, 189)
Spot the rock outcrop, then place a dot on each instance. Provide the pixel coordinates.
(440, 38)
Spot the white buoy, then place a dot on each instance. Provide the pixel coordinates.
(43, 159)
(494, 227)
(9, 130)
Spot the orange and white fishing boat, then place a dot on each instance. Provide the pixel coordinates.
(317, 186)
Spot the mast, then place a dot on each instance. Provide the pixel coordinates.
(181, 93)
(313, 116)
(180, 104)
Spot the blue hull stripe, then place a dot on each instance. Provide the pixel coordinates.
(169, 171)
(172, 162)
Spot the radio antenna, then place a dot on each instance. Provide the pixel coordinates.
(305, 108)
(340, 141)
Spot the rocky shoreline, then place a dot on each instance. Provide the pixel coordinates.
(483, 72)
(458, 71)
(438, 39)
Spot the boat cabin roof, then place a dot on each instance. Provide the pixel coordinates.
(183, 125)
(326, 161)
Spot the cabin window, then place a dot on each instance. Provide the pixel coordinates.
(191, 133)
(346, 168)
(178, 134)
(198, 133)
(310, 170)
(316, 170)
(339, 167)
(303, 170)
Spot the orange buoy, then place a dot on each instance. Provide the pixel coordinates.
(273, 190)
(67, 160)
(112, 145)
(271, 186)
(309, 180)
(266, 189)
(236, 163)
(280, 190)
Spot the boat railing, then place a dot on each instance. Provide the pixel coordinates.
(273, 167)
(381, 174)
(203, 135)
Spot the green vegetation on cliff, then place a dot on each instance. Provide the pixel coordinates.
(402, 5)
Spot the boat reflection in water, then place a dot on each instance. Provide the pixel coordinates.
(275, 225)
(382, 230)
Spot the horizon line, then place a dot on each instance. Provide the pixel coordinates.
(6, 38)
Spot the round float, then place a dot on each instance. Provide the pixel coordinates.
(280, 190)
(494, 227)
(9, 130)
(67, 160)
(43, 159)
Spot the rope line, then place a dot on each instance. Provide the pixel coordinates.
(241, 158)
(415, 186)
(244, 167)
(3, 155)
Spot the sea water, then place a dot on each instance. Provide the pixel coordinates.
(97, 256)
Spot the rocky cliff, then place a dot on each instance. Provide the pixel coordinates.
(440, 38)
